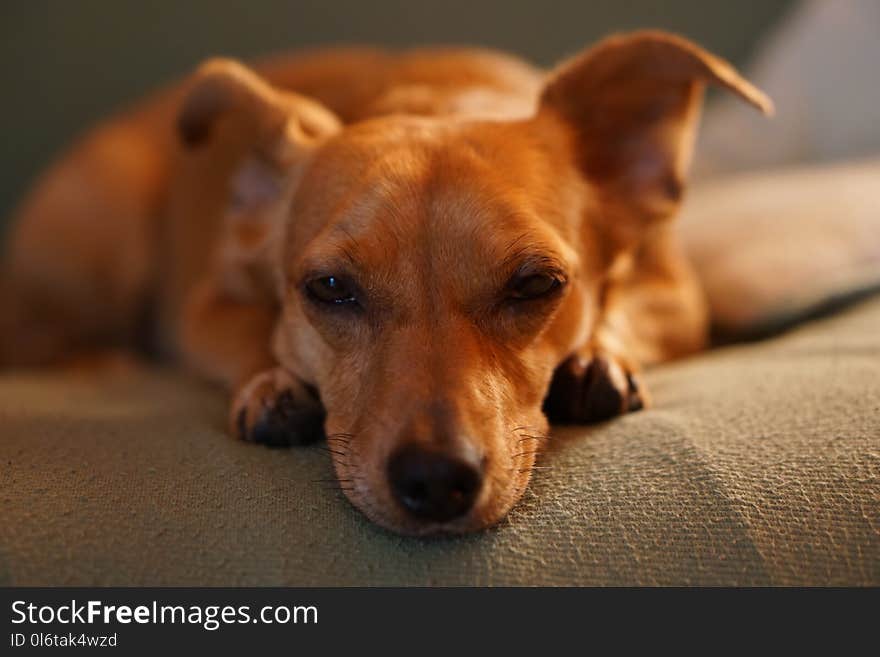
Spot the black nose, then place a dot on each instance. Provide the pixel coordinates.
(434, 485)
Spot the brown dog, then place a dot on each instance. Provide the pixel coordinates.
(401, 253)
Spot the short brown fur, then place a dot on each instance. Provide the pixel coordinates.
(434, 182)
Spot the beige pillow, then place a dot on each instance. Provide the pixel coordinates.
(774, 246)
(819, 66)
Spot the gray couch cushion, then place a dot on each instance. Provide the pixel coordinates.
(760, 464)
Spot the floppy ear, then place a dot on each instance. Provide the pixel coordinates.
(267, 132)
(249, 143)
(632, 103)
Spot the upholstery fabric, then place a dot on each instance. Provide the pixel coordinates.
(758, 465)
(772, 247)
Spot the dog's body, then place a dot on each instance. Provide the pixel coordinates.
(415, 243)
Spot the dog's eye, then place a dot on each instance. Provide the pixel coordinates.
(332, 290)
(533, 286)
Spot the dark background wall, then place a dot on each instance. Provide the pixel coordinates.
(66, 63)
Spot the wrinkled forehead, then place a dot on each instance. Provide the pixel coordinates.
(420, 197)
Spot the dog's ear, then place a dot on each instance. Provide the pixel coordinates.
(632, 104)
(250, 142)
(265, 131)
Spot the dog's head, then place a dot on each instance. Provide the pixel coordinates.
(433, 272)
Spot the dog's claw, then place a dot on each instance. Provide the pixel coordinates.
(590, 390)
(276, 411)
(634, 400)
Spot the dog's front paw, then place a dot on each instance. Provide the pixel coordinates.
(277, 410)
(592, 389)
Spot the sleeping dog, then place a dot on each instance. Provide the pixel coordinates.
(422, 256)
